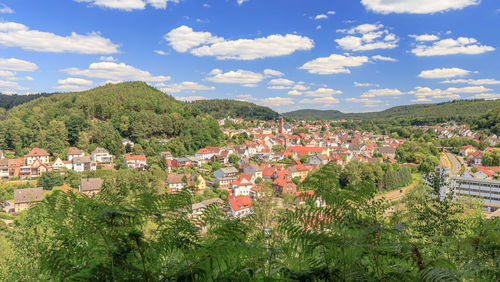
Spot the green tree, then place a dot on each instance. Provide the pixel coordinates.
(50, 179)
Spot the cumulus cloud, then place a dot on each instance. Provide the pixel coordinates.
(160, 52)
(281, 81)
(17, 65)
(359, 84)
(331, 12)
(129, 5)
(191, 98)
(274, 101)
(323, 92)
(184, 39)
(271, 72)
(10, 87)
(382, 92)
(461, 45)
(383, 58)
(240, 2)
(334, 64)
(443, 73)
(108, 59)
(18, 35)
(367, 102)
(484, 81)
(367, 37)
(236, 77)
(294, 93)
(486, 96)
(73, 84)
(115, 71)
(186, 86)
(449, 93)
(425, 37)
(416, 6)
(321, 100)
(321, 17)
(5, 10)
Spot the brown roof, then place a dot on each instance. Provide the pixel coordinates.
(75, 151)
(84, 159)
(174, 178)
(28, 195)
(37, 152)
(90, 184)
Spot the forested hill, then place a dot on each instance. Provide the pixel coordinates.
(454, 110)
(10, 101)
(103, 116)
(222, 108)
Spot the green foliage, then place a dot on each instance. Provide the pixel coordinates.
(489, 121)
(49, 179)
(221, 109)
(7, 190)
(491, 158)
(10, 101)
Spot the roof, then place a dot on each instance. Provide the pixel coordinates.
(28, 195)
(37, 152)
(239, 202)
(174, 178)
(100, 150)
(229, 169)
(84, 159)
(75, 151)
(135, 157)
(90, 184)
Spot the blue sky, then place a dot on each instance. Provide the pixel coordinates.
(353, 56)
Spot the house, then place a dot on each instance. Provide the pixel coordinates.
(4, 168)
(196, 181)
(475, 158)
(284, 184)
(242, 185)
(138, 162)
(175, 182)
(303, 196)
(101, 155)
(2, 156)
(387, 151)
(225, 172)
(38, 168)
(254, 170)
(37, 154)
(181, 162)
(23, 198)
(75, 152)
(166, 155)
(90, 186)
(240, 206)
(83, 163)
(14, 167)
(317, 160)
(465, 150)
(198, 208)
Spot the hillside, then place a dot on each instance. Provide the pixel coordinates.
(222, 108)
(103, 116)
(9, 101)
(457, 110)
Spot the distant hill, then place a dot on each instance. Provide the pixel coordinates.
(10, 101)
(222, 108)
(457, 110)
(103, 116)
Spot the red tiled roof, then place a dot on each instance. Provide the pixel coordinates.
(135, 157)
(239, 202)
(37, 152)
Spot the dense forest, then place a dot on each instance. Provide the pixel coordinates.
(223, 108)
(103, 116)
(10, 101)
(131, 232)
(489, 121)
(459, 110)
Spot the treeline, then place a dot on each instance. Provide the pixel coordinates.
(223, 108)
(131, 232)
(489, 122)
(459, 110)
(103, 116)
(10, 101)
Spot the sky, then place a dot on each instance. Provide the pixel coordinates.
(352, 56)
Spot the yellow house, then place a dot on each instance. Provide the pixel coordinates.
(197, 181)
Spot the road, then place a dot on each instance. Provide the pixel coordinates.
(395, 195)
(456, 166)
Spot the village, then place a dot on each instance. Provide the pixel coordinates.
(275, 155)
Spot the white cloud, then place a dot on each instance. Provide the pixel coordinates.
(416, 6)
(271, 72)
(367, 102)
(17, 65)
(443, 73)
(382, 92)
(191, 98)
(294, 93)
(237, 77)
(383, 58)
(461, 45)
(240, 2)
(115, 71)
(323, 92)
(425, 37)
(274, 101)
(129, 5)
(75, 81)
(18, 35)
(359, 84)
(5, 10)
(318, 27)
(184, 39)
(320, 100)
(369, 37)
(321, 17)
(422, 99)
(487, 96)
(160, 52)
(300, 87)
(484, 81)
(186, 86)
(334, 64)
(281, 81)
(449, 93)
(278, 87)
(9, 87)
(7, 73)
(108, 59)
(331, 12)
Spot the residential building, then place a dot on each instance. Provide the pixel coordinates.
(240, 206)
(175, 182)
(23, 198)
(90, 186)
(225, 172)
(37, 154)
(138, 162)
(83, 163)
(101, 155)
(75, 152)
